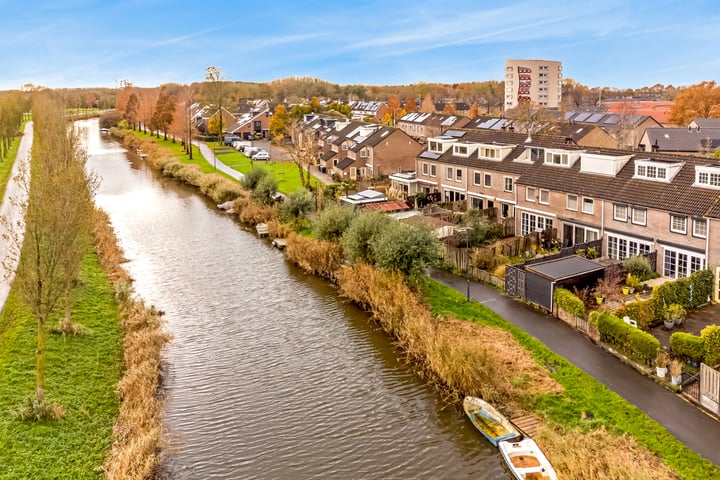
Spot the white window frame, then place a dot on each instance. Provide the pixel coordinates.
(364, 153)
(457, 150)
(477, 178)
(696, 223)
(678, 224)
(708, 177)
(487, 180)
(433, 170)
(544, 193)
(508, 184)
(569, 204)
(616, 213)
(530, 194)
(458, 175)
(635, 221)
(424, 168)
(449, 172)
(344, 147)
(563, 158)
(590, 202)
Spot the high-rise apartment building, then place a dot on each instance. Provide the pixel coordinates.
(535, 81)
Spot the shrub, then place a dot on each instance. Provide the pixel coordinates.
(265, 190)
(613, 330)
(333, 221)
(638, 266)
(406, 248)
(296, 204)
(109, 119)
(711, 335)
(356, 239)
(643, 344)
(632, 281)
(675, 310)
(569, 302)
(251, 179)
(688, 346)
(642, 311)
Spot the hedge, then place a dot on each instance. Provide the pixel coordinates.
(633, 340)
(569, 302)
(711, 336)
(687, 346)
(679, 290)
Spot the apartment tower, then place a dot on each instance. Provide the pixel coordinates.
(535, 81)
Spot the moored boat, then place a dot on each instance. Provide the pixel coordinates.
(525, 460)
(491, 423)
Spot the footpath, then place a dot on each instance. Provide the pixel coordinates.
(697, 430)
(10, 210)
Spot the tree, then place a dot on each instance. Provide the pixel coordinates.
(394, 108)
(333, 221)
(304, 157)
(164, 111)
(279, 122)
(410, 104)
(428, 106)
(297, 204)
(131, 110)
(265, 190)
(406, 248)
(356, 239)
(215, 94)
(449, 109)
(696, 101)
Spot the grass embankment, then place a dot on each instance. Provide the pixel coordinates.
(286, 173)
(465, 348)
(7, 164)
(106, 381)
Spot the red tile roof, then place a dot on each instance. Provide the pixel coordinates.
(659, 110)
(389, 206)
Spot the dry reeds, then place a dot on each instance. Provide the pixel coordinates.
(600, 455)
(317, 257)
(277, 229)
(252, 213)
(135, 453)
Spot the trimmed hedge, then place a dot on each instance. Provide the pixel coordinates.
(679, 290)
(633, 340)
(569, 302)
(687, 346)
(711, 336)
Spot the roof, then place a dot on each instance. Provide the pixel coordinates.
(659, 110)
(706, 122)
(345, 163)
(389, 206)
(563, 268)
(682, 139)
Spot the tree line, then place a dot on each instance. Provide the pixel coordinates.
(12, 107)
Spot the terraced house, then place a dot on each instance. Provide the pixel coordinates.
(638, 202)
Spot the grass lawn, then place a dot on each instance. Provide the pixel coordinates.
(7, 163)
(81, 374)
(582, 393)
(286, 173)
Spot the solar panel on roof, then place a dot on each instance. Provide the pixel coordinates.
(611, 119)
(568, 115)
(582, 116)
(448, 121)
(595, 117)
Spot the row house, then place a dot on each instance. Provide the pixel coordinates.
(638, 203)
(421, 126)
(372, 112)
(690, 140)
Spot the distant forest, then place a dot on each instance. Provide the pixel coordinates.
(488, 95)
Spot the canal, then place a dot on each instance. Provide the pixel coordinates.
(270, 374)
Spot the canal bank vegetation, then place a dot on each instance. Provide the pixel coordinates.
(12, 106)
(95, 411)
(465, 348)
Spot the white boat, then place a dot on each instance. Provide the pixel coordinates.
(526, 461)
(491, 423)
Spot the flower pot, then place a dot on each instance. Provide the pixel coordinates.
(626, 290)
(669, 324)
(676, 380)
(679, 320)
(661, 371)
(599, 300)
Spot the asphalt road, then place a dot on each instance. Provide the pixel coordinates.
(11, 214)
(690, 425)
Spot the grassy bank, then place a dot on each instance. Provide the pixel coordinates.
(81, 374)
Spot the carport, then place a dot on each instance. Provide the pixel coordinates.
(542, 278)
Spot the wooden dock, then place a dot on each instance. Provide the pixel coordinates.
(279, 243)
(528, 423)
(262, 229)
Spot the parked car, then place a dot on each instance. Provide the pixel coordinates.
(250, 151)
(242, 145)
(261, 155)
(229, 139)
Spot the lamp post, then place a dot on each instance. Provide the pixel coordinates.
(466, 230)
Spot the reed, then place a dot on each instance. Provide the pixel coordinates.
(251, 212)
(317, 257)
(135, 453)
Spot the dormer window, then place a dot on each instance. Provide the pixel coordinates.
(434, 146)
(556, 158)
(651, 171)
(707, 176)
(461, 150)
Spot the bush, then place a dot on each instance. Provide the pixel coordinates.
(687, 346)
(613, 330)
(406, 248)
(333, 221)
(296, 204)
(642, 311)
(109, 119)
(356, 239)
(265, 190)
(711, 335)
(251, 179)
(639, 266)
(643, 344)
(569, 302)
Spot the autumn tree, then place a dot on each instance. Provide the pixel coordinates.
(394, 108)
(131, 110)
(215, 94)
(410, 104)
(696, 101)
(12, 106)
(449, 109)
(473, 112)
(164, 111)
(278, 123)
(428, 106)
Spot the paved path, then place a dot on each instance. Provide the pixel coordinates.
(687, 423)
(216, 161)
(10, 210)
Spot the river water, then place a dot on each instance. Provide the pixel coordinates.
(270, 374)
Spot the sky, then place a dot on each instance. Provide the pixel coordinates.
(606, 43)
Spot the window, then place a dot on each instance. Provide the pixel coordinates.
(344, 146)
(530, 194)
(678, 224)
(639, 216)
(678, 263)
(487, 152)
(708, 177)
(572, 202)
(556, 158)
(588, 205)
(651, 171)
(529, 222)
(620, 212)
(363, 153)
(699, 227)
(508, 184)
(505, 210)
(488, 180)
(449, 173)
(434, 146)
(476, 203)
(619, 248)
(544, 196)
(433, 170)
(424, 168)
(458, 175)
(461, 150)
(476, 178)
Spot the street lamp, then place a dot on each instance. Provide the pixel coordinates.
(466, 230)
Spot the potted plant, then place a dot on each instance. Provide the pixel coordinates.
(626, 290)
(632, 282)
(661, 362)
(674, 314)
(675, 371)
(599, 298)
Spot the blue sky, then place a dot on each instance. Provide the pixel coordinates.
(609, 43)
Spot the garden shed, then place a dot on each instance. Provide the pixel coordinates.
(542, 278)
